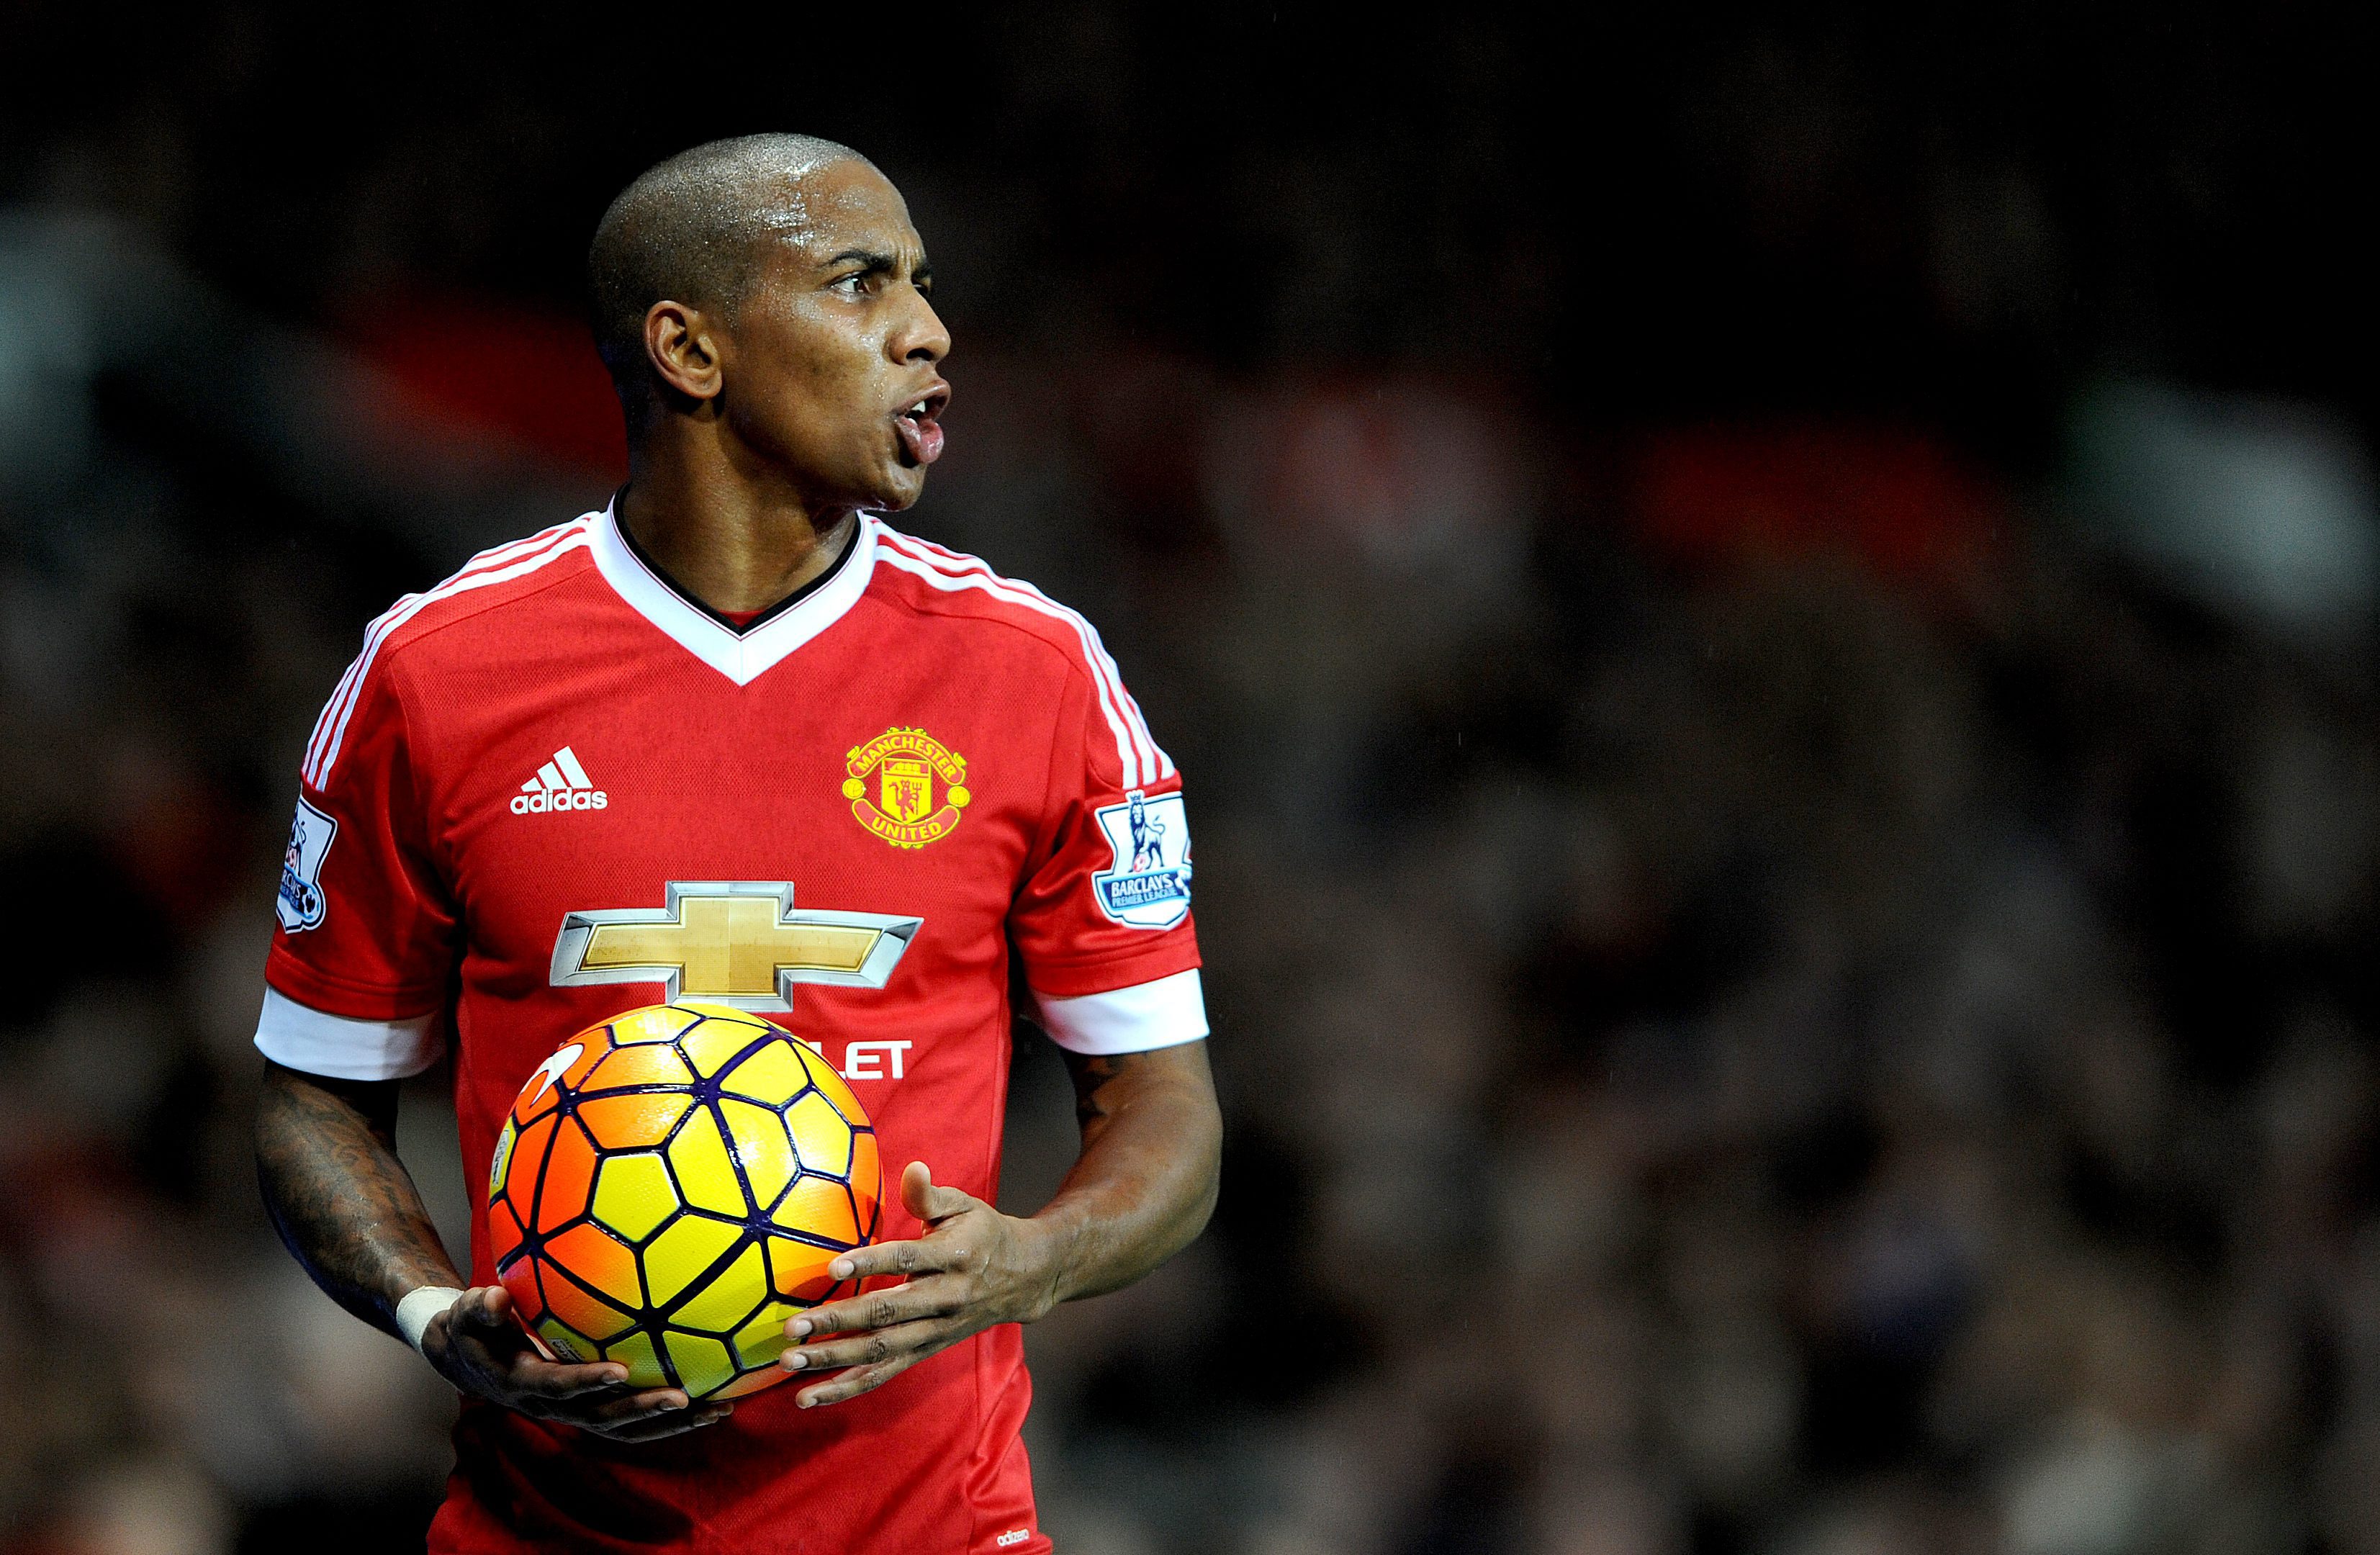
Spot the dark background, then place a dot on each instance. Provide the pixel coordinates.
(1770, 619)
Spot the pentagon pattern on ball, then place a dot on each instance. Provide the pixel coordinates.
(633, 1195)
(669, 1193)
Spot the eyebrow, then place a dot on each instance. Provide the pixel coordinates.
(873, 258)
(874, 262)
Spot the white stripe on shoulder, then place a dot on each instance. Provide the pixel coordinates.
(952, 572)
(1152, 755)
(895, 557)
(1143, 759)
(491, 557)
(500, 565)
(350, 683)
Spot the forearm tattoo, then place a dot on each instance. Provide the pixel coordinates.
(343, 1204)
(1091, 1072)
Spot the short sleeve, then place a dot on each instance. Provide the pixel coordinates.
(364, 943)
(1102, 924)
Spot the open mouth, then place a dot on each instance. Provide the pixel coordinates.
(919, 425)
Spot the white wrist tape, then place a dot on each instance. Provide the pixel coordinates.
(413, 1313)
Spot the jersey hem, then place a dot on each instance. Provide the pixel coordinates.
(315, 1042)
(1145, 1016)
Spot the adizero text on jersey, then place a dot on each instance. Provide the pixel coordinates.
(551, 789)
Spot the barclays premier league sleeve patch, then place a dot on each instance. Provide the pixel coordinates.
(1150, 887)
(301, 904)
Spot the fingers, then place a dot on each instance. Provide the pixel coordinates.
(506, 1354)
(937, 1251)
(654, 1401)
(531, 1376)
(893, 1329)
(676, 1422)
(900, 1342)
(927, 1202)
(917, 1189)
(935, 1206)
(900, 1259)
(500, 1360)
(503, 1364)
(878, 1310)
(860, 1379)
(630, 1421)
(481, 1307)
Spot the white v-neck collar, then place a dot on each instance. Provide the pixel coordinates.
(742, 658)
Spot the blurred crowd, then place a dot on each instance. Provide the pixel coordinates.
(1756, 1042)
(1790, 975)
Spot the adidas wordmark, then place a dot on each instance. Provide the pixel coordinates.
(560, 785)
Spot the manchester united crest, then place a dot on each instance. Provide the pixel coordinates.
(906, 786)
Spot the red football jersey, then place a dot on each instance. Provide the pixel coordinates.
(555, 740)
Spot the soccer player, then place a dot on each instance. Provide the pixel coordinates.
(735, 682)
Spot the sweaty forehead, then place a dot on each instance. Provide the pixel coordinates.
(847, 205)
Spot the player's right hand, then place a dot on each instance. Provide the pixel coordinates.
(477, 1345)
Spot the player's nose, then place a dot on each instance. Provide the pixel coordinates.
(921, 336)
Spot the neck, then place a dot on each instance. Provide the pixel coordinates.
(736, 542)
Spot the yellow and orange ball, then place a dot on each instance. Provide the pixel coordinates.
(668, 1195)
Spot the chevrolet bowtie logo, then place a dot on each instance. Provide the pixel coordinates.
(736, 942)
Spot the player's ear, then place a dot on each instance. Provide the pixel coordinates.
(679, 344)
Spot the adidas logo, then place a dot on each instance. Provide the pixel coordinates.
(561, 784)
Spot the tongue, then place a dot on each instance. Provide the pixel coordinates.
(923, 438)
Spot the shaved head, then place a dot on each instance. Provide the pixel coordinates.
(764, 307)
(693, 230)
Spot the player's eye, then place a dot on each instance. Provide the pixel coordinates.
(857, 284)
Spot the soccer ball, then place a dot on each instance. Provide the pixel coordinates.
(670, 1187)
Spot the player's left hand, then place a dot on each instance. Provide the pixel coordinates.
(973, 1268)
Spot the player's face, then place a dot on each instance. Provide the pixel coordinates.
(831, 365)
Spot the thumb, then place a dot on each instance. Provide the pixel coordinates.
(927, 1201)
(489, 1310)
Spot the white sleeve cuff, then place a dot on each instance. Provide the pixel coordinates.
(307, 1040)
(1163, 1013)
